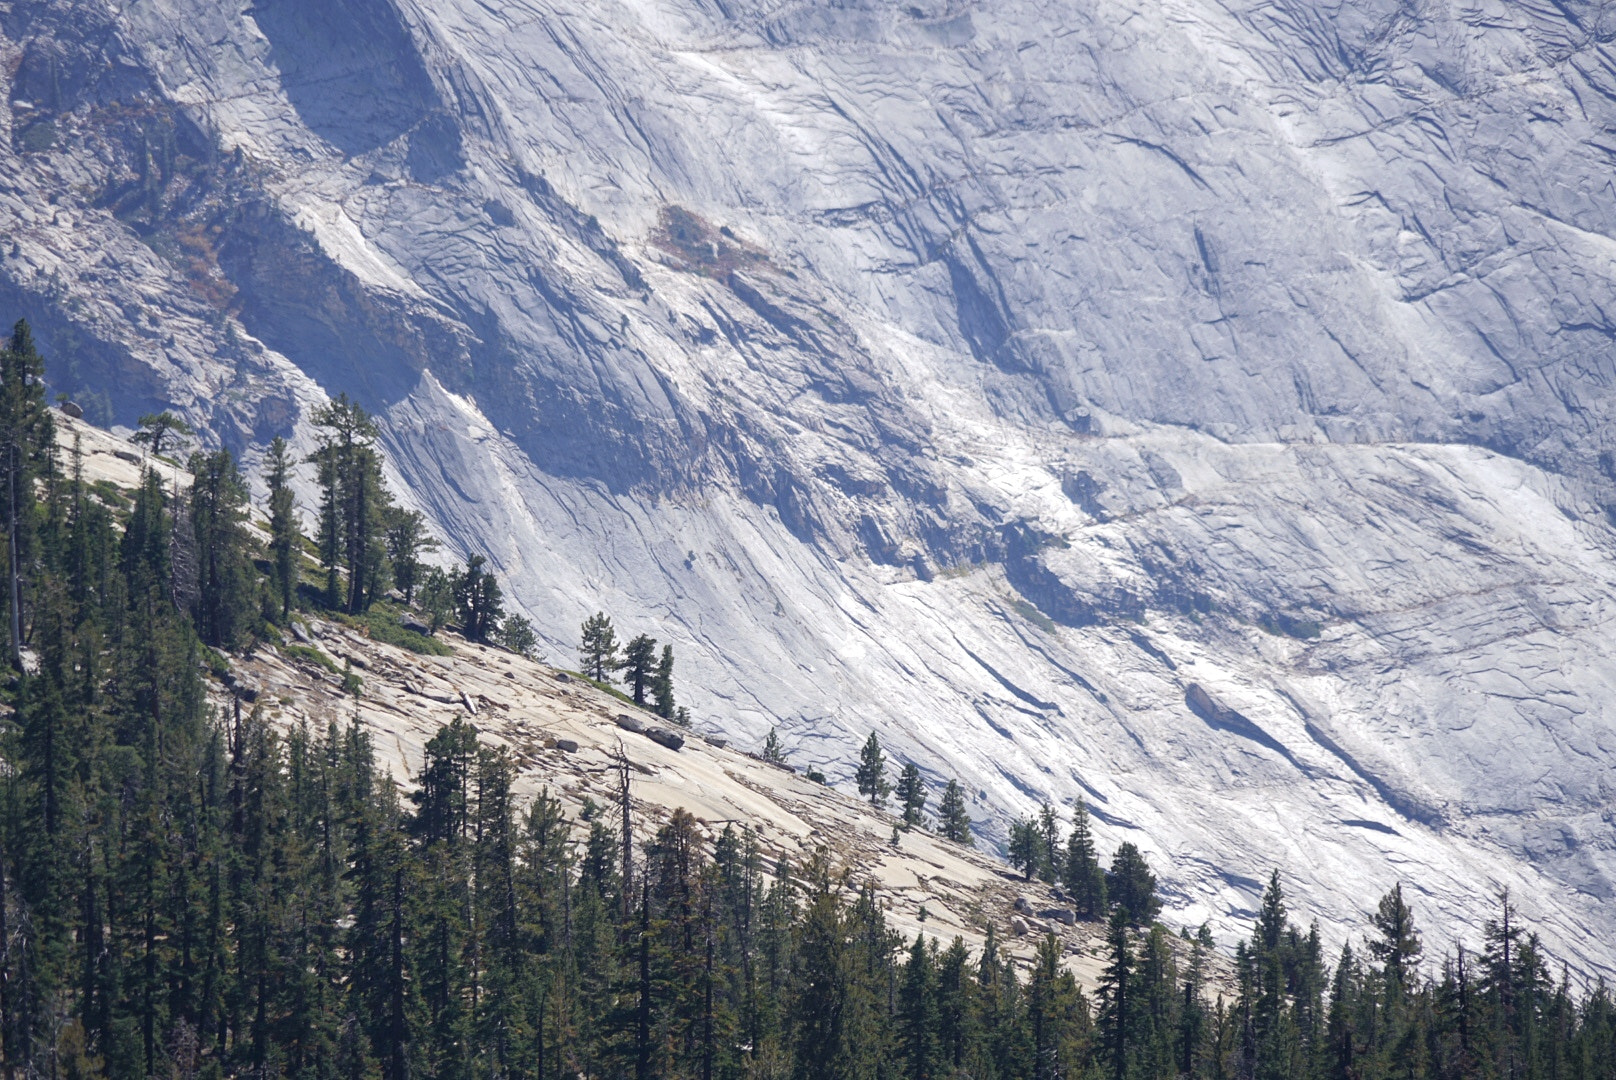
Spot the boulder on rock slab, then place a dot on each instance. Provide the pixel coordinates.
(663, 737)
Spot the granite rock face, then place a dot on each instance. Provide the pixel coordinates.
(1200, 408)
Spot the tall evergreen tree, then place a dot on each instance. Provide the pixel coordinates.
(956, 1020)
(639, 666)
(1081, 873)
(662, 685)
(284, 538)
(354, 505)
(437, 598)
(1116, 1005)
(224, 608)
(27, 453)
(871, 775)
(597, 651)
(1131, 885)
(911, 792)
(953, 820)
(1399, 946)
(407, 543)
(1026, 847)
(1057, 1014)
(1050, 856)
(477, 600)
(917, 1013)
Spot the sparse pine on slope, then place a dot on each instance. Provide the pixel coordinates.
(953, 820)
(871, 776)
(597, 650)
(911, 792)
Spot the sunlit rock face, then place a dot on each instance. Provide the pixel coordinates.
(1199, 408)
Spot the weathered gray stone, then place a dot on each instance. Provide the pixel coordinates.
(988, 377)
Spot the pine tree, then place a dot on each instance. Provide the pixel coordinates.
(1131, 885)
(952, 818)
(1274, 1045)
(917, 1012)
(1116, 1005)
(773, 752)
(407, 542)
(911, 792)
(477, 601)
(1081, 874)
(662, 685)
(1057, 1015)
(639, 666)
(823, 977)
(354, 505)
(1340, 1059)
(516, 634)
(225, 577)
(27, 453)
(437, 598)
(956, 1028)
(1399, 946)
(1026, 846)
(158, 430)
(597, 652)
(284, 537)
(1050, 856)
(1193, 1024)
(871, 775)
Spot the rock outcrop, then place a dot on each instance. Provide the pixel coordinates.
(992, 376)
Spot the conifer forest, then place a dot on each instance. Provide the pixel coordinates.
(188, 890)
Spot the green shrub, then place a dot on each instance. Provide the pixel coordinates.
(1032, 615)
(382, 624)
(308, 654)
(110, 494)
(38, 136)
(1290, 626)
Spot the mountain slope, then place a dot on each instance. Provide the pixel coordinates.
(1198, 407)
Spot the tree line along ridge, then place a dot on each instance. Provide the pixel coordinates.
(192, 892)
